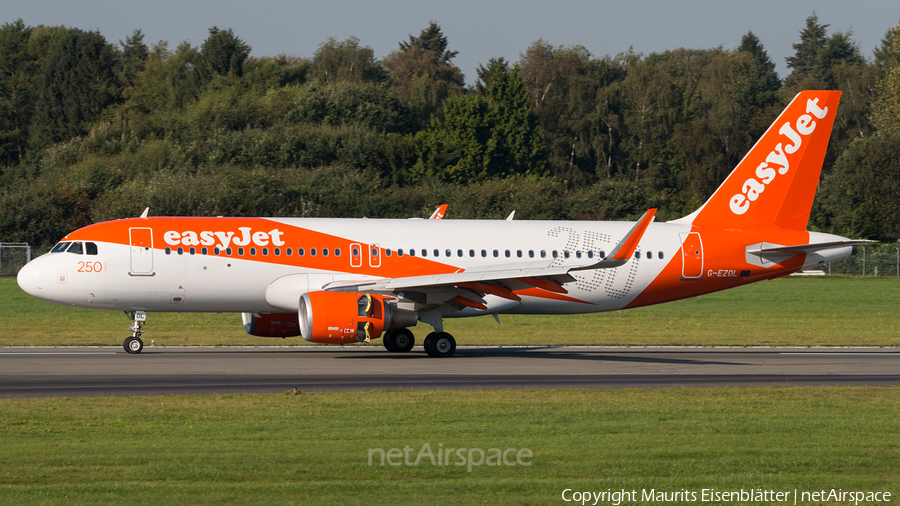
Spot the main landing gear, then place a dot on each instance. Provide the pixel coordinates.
(437, 344)
(399, 340)
(133, 343)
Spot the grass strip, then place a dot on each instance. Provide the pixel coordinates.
(314, 448)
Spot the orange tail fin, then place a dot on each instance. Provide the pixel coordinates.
(776, 181)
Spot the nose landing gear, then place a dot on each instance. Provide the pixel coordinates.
(133, 343)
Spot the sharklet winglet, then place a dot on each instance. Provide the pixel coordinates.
(626, 247)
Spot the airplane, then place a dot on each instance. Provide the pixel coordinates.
(341, 281)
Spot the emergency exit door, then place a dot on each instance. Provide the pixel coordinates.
(141, 240)
(692, 256)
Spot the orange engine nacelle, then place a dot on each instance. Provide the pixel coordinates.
(342, 317)
(271, 324)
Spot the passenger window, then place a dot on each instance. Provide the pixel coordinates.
(252, 252)
(59, 248)
(590, 253)
(301, 252)
(519, 253)
(265, 252)
(278, 252)
(168, 250)
(240, 251)
(437, 253)
(496, 253)
(660, 255)
(484, 253)
(602, 254)
(216, 251)
(289, 252)
(412, 252)
(400, 252)
(90, 248)
(387, 252)
(324, 252)
(543, 254)
(312, 252)
(578, 254)
(448, 253)
(193, 250)
(555, 254)
(228, 251)
(459, 253)
(637, 254)
(472, 253)
(424, 252)
(75, 248)
(566, 253)
(374, 252)
(337, 252)
(531, 253)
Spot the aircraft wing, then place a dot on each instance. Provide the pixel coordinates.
(501, 280)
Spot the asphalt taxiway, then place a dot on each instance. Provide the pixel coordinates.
(109, 371)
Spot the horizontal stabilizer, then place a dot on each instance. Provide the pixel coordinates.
(804, 248)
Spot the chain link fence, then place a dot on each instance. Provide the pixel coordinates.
(13, 255)
(870, 260)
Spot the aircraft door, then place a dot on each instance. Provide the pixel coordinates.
(691, 256)
(141, 240)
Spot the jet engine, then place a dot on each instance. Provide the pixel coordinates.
(343, 317)
(271, 324)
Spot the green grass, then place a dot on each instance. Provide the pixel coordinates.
(313, 448)
(834, 311)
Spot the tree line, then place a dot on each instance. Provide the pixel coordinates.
(92, 130)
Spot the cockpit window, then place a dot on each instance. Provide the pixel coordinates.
(90, 248)
(59, 248)
(75, 248)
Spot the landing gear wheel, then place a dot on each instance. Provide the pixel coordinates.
(399, 340)
(133, 344)
(439, 345)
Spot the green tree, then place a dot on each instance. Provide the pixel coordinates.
(422, 75)
(430, 39)
(812, 40)
(222, 53)
(134, 55)
(484, 136)
(79, 80)
(885, 113)
(346, 61)
(17, 79)
(861, 197)
(883, 54)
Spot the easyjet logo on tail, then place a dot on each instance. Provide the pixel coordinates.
(777, 160)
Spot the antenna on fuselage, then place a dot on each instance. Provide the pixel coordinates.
(145, 213)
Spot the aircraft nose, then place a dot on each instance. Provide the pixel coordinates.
(31, 279)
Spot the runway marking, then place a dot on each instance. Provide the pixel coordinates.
(885, 354)
(59, 353)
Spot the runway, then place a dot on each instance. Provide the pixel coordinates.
(109, 371)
